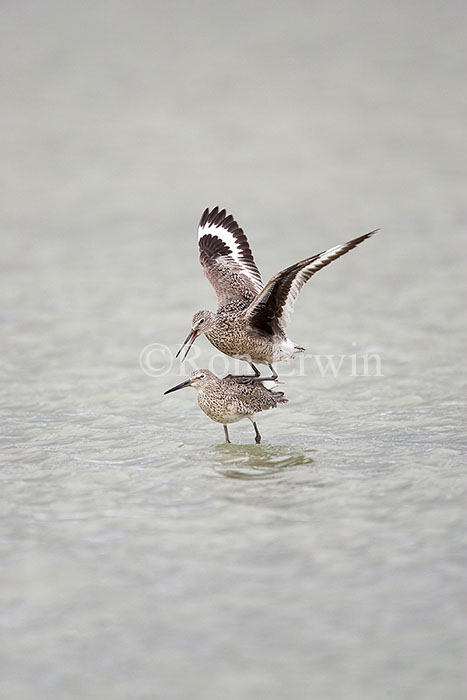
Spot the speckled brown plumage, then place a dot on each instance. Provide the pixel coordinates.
(251, 317)
(232, 398)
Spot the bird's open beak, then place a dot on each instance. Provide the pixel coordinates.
(179, 386)
(192, 335)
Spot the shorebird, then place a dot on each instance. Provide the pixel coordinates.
(231, 399)
(251, 317)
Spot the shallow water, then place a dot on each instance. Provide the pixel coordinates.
(141, 556)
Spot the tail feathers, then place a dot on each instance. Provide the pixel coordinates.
(266, 383)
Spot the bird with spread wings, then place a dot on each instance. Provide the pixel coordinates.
(251, 318)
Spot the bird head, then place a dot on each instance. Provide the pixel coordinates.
(201, 323)
(197, 379)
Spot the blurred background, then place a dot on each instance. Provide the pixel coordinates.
(114, 111)
(141, 557)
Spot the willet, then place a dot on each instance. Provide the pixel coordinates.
(231, 399)
(251, 317)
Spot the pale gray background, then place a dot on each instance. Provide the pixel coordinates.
(142, 558)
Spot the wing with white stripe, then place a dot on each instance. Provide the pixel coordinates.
(226, 258)
(270, 311)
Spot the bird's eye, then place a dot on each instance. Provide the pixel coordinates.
(201, 376)
(201, 320)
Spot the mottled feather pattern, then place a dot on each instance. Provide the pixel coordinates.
(232, 398)
(219, 234)
(251, 319)
(226, 258)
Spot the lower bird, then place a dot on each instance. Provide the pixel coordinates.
(251, 317)
(232, 398)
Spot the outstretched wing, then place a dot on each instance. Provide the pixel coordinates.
(270, 311)
(226, 258)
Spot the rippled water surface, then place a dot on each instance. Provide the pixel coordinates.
(142, 557)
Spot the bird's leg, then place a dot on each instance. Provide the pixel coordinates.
(255, 369)
(257, 436)
(274, 373)
(226, 433)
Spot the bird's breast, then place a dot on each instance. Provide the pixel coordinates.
(219, 406)
(232, 336)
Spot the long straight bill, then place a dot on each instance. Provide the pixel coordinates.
(179, 386)
(190, 339)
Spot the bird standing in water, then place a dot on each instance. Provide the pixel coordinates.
(251, 317)
(231, 399)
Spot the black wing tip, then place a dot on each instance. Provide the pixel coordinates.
(209, 216)
(219, 218)
(346, 247)
(206, 214)
(368, 235)
(360, 239)
(353, 243)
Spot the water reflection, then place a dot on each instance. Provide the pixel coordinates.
(257, 461)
